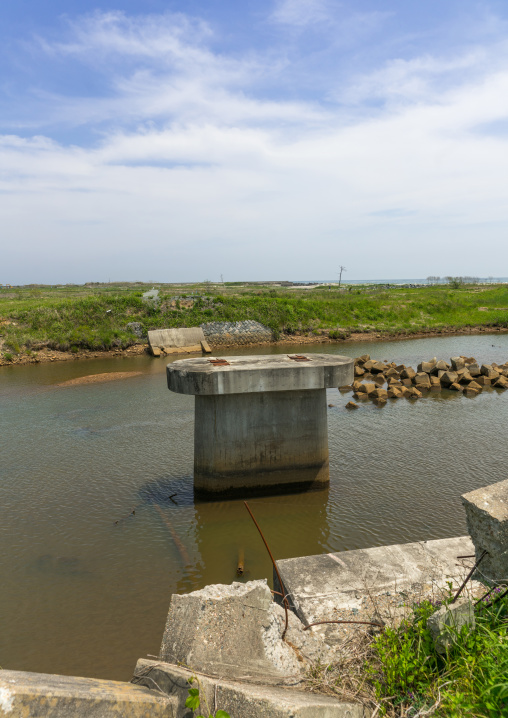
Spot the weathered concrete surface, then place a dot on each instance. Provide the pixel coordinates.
(266, 373)
(183, 337)
(261, 421)
(445, 624)
(234, 631)
(40, 695)
(246, 441)
(321, 586)
(242, 700)
(194, 349)
(487, 523)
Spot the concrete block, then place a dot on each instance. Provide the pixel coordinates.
(272, 441)
(445, 624)
(449, 377)
(241, 699)
(195, 349)
(40, 695)
(235, 631)
(487, 523)
(205, 347)
(181, 337)
(260, 421)
(253, 374)
(321, 587)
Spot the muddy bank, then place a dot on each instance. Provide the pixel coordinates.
(99, 378)
(50, 355)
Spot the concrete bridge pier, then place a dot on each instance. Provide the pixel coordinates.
(260, 421)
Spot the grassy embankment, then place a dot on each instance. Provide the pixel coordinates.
(399, 672)
(72, 318)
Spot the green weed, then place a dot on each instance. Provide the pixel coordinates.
(470, 679)
(194, 702)
(95, 317)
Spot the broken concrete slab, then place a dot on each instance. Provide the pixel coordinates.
(34, 695)
(321, 587)
(181, 337)
(241, 700)
(446, 623)
(195, 349)
(235, 631)
(487, 523)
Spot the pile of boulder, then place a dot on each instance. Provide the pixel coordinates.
(381, 381)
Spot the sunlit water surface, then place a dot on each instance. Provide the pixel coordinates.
(86, 583)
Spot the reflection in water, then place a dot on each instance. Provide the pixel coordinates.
(92, 545)
(224, 531)
(58, 565)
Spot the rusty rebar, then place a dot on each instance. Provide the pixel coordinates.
(284, 599)
(468, 577)
(498, 598)
(495, 599)
(365, 623)
(484, 596)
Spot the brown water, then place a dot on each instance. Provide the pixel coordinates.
(85, 584)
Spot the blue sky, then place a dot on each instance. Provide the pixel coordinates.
(182, 141)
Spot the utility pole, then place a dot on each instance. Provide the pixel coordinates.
(342, 269)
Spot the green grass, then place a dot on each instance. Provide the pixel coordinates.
(470, 680)
(95, 317)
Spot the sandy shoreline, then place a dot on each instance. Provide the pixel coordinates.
(51, 355)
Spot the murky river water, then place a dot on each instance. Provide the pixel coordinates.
(85, 583)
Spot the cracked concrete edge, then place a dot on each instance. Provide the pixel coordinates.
(39, 695)
(343, 577)
(239, 699)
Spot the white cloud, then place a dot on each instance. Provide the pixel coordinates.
(301, 12)
(163, 37)
(423, 78)
(216, 179)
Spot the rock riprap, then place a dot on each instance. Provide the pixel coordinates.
(461, 374)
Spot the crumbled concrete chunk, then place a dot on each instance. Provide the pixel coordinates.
(487, 523)
(235, 631)
(446, 622)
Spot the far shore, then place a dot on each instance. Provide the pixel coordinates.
(50, 355)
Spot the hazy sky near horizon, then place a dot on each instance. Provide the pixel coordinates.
(275, 139)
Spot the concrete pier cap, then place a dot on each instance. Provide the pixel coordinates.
(260, 421)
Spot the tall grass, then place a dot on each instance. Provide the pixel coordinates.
(96, 318)
(471, 679)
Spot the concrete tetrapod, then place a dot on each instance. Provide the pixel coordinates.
(260, 421)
